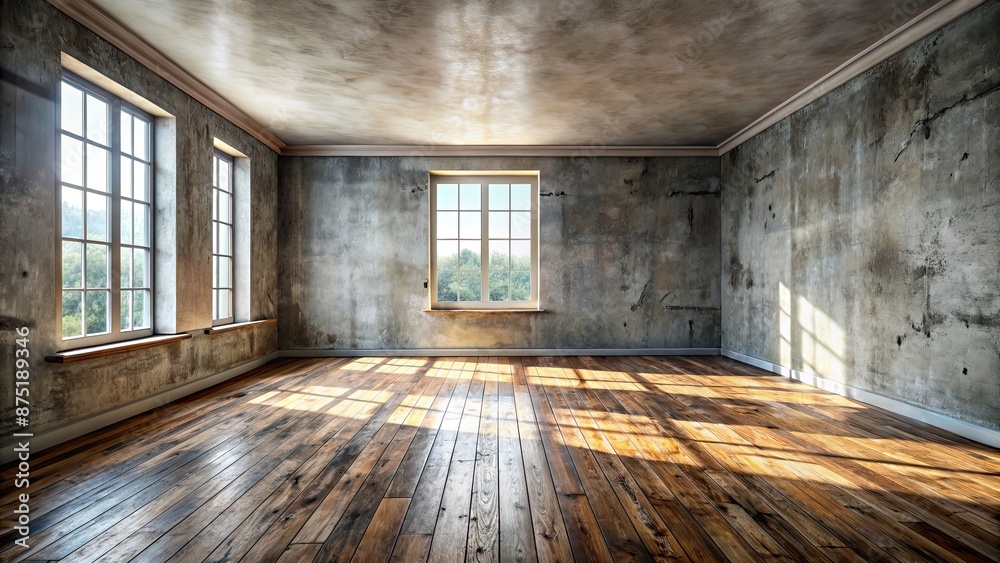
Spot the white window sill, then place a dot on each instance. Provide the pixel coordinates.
(92, 352)
(484, 310)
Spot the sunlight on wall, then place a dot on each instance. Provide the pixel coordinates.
(785, 323)
(820, 339)
(822, 342)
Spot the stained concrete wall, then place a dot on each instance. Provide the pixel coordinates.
(861, 235)
(32, 35)
(629, 255)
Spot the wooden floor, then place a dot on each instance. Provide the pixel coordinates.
(551, 459)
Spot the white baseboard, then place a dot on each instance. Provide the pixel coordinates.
(42, 440)
(965, 429)
(452, 352)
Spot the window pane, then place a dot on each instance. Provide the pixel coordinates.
(215, 172)
(215, 303)
(140, 181)
(126, 221)
(141, 139)
(98, 265)
(499, 224)
(71, 161)
(72, 212)
(215, 237)
(140, 217)
(447, 195)
(140, 310)
(499, 283)
(520, 286)
(224, 303)
(215, 271)
(126, 125)
(225, 244)
(499, 197)
(499, 254)
(72, 314)
(520, 225)
(225, 207)
(469, 286)
(447, 255)
(520, 197)
(97, 168)
(470, 224)
(140, 274)
(470, 196)
(447, 224)
(468, 258)
(97, 217)
(96, 304)
(97, 120)
(215, 205)
(520, 255)
(224, 273)
(72, 264)
(71, 114)
(126, 310)
(126, 177)
(447, 285)
(126, 268)
(224, 177)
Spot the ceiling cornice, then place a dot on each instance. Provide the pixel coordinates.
(922, 25)
(495, 150)
(925, 23)
(98, 21)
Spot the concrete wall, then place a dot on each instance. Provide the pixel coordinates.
(629, 255)
(32, 34)
(861, 235)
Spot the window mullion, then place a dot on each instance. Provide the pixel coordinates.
(484, 242)
(115, 236)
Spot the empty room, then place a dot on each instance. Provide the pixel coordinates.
(499, 280)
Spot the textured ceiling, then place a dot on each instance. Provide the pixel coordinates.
(509, 72)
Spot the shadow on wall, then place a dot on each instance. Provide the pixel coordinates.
(819, 338)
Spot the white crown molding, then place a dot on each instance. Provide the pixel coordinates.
(922, 25)
(497, 150)
(925, 23)
(98, 21)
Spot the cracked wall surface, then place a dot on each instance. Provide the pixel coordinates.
(629, 255)
(861, 235)
(32, 35)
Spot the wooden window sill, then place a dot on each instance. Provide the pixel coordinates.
(103, 350)
(237, 326)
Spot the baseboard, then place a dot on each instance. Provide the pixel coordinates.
(47, 439)
(452, 352)
(965, 429)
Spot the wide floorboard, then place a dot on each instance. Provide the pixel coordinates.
(511, 459)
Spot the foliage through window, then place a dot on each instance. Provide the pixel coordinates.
(484, 241)
(222, 238)
(105, 216)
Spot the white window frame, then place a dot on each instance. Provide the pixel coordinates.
(115, 107)
(484, 178)
(217, 225)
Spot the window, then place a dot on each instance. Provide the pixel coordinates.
(222, 238)
(105, 217)
(484, 240)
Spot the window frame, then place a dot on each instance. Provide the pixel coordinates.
(115, 107)
(484, 178)
(218, 155)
